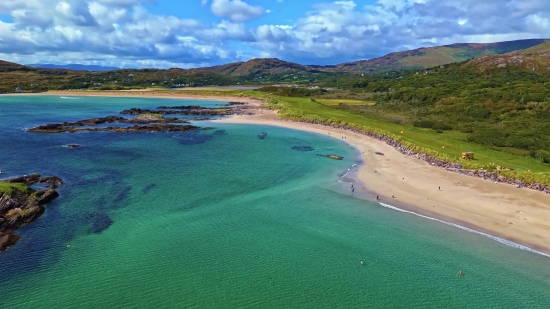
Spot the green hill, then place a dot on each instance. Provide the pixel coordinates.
(434, 56)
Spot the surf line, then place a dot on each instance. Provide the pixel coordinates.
(352, 167)
(492, 237)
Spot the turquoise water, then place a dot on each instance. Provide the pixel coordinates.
(221, 219)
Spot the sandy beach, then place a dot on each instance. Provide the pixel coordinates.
(519, 215)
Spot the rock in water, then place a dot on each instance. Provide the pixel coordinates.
(71, 146)
(20, 204)
(262, 135)
(303, 148)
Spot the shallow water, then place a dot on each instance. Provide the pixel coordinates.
(221, 218)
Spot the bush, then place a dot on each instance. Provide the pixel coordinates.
(424, 124)
(439, 126)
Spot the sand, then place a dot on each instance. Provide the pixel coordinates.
(519, 215)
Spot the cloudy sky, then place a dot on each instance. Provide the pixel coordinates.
(192, 33)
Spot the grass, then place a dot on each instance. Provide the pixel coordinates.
(7, 188)
(332, 102)
(159, 116)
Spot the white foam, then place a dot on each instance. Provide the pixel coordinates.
(349, 169)
(69, 98)
(495, 238)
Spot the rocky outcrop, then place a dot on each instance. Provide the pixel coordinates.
(20, 205)
(450, 166)
(149, 123)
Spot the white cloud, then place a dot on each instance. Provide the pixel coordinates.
(123, 32)
(236, 10)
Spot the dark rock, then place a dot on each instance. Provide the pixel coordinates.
(303, 148)
(44, 197)
(71, 146)
(262, 135)
(51, 180)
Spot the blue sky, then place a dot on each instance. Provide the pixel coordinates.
(194, 33)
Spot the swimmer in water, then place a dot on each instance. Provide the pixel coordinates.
(361, 262)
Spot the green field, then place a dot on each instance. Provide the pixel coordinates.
(7, 188)
(333, 102)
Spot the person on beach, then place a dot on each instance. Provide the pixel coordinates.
(439, 188)
(377, 198)
(392, 195)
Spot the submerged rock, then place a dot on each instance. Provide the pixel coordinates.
(148, 188)
(100, 222)
(262, 135)
(303, 148)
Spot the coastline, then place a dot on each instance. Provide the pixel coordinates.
(521, 216)
(145, 93)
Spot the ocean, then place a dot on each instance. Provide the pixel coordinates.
(219, 218)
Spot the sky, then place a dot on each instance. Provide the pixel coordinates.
(196, 33)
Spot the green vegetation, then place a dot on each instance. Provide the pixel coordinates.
(332, 102)
(7, 188)
(150, 115)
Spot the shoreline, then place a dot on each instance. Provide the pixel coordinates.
(517, 217)
(502, 212)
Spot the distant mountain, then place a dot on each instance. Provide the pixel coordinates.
(411, 59)
(533, 59)
(434, 56)
(261, 67)
(74, 67)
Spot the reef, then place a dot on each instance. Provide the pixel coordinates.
(21, 205)
(303, 148)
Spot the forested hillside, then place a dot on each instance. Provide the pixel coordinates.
(507, 109)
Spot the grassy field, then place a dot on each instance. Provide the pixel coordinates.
(449, 144)
(333, 102)
(7, 188)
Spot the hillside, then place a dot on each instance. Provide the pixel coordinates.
(269, 70)
(434, 56)
(534, 59)
(74, 67)
(16, 77)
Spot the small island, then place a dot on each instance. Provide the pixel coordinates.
(146, 120)
(20, 204)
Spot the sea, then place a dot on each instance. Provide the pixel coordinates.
(221, 218)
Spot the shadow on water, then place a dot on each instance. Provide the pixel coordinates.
(148, 188)
(197, 137)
